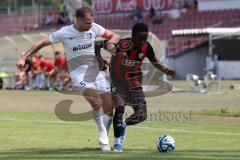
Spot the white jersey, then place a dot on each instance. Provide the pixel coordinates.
(77, 43)
(80, 54)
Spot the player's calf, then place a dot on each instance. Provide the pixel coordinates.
(139, 115)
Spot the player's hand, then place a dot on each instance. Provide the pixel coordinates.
(66, 81)
(111, 48)
(21, 62)
(169, 72)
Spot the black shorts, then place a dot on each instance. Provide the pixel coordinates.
(128, 95)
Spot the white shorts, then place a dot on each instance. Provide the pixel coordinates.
(86, 77)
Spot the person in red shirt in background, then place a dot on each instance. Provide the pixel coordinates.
(60, 62)
(37, 72)
(60, 76)
(47, 67)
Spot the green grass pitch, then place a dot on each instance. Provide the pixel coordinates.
(29, 129)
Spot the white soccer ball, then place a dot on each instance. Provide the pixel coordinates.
(165, 143)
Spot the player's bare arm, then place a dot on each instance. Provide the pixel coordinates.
(102, 62)
(163, 68)
(113, 40)
(36, 47)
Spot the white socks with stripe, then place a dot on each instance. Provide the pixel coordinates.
(102, 132)
(107, 121)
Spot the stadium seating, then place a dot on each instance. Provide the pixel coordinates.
(211, 18)
(24, 22)
(197, 19)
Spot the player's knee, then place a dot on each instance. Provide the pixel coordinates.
(108, 106)
(96, 103)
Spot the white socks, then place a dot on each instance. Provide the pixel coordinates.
(102, 132)
(124, 125)
(107, 121)
(117, 141)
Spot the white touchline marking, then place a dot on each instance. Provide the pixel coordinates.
(138, 127)
(190, 131)
(41, 121)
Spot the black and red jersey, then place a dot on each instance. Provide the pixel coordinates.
(125, 66)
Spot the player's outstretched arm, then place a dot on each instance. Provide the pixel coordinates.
(36, 47)
(163, 68)
(157, 63)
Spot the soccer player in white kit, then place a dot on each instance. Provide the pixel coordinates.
(78, 41)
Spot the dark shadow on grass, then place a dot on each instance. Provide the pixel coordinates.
(135, 154)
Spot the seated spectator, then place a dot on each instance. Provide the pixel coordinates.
(158, 19)
(37, 71)
(61, 70)
(47, 68)
(152, 12)
(63, 19)
(48, 20)
(137, 14)
(21, 81)
(60, 62)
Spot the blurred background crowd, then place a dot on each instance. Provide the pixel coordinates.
(200, 45)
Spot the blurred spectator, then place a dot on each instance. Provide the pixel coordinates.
(186, 5)
(137, 14)
(21, 81)
(152, 12)
(47, 68)
(48, 20)
(158, 19)
(60, 62)
(61, 70)
(215, 64)
(37, 71)
(63, 19)
(28, 65)
(62, 7)
(192, 6)
(195, 4)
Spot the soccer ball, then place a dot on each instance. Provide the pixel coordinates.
(165, 143)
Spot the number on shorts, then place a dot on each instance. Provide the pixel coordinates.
(82, 84)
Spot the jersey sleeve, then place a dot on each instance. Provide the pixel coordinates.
(98, 30)
(150, 53)
(57, 36)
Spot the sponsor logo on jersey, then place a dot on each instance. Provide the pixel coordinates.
(82, 47)
(72, 38)
(125, 45)
(127, 62)
(140, 55)
(89, 35)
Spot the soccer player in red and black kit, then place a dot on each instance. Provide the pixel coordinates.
(126, 79)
